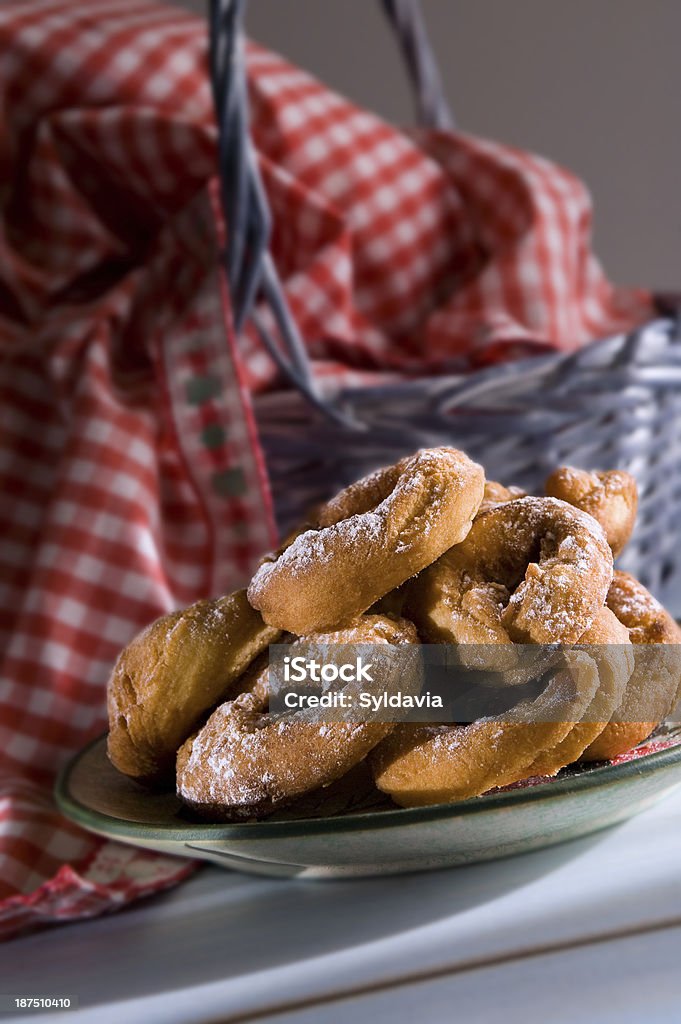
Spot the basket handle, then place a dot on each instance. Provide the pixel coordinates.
(250, 268)
(432, 106)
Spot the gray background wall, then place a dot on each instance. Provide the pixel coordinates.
(593, 84)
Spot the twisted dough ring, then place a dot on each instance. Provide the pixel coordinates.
(533, 570)
(172, 673)
(244, 763)
(615, 662)
(419, 765)
(494, 494)
(653, 689)
(611, 498)
(373, 536)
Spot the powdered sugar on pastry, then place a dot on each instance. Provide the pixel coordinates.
(244, 763)
(531, 570)
(372, 537)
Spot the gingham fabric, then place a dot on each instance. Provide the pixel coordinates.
(130, 472)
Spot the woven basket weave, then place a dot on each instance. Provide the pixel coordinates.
(615, 403)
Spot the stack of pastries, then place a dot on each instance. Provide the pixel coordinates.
(424, 551)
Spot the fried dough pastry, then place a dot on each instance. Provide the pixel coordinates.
(372, 537)
(533, 570)
(653, 690)
(611, 498)
(419, 765)
(614, 656)
(244, 763)
(504, 578)
(172, 673)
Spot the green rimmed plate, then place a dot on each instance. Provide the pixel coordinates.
(372, 842)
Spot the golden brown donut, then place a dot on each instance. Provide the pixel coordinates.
(373, 536)
(172, 673)
(244, 763)
(643, 615)
(419, 765)
(611, 498)
(615, 659)
(653, 689)
(533, 570)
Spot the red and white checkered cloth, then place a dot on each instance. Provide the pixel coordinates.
(130, 472)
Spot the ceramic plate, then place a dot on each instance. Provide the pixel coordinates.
(374, 842)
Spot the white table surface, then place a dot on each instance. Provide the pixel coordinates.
(589, 930)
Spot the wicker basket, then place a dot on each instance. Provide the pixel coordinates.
(615, 403)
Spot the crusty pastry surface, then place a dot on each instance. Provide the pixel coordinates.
(372, 537)
(614, 656)
(428, 764)
(655, 684)
(610, 497)
(173, 673)
(244, 763)
(533, 570)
